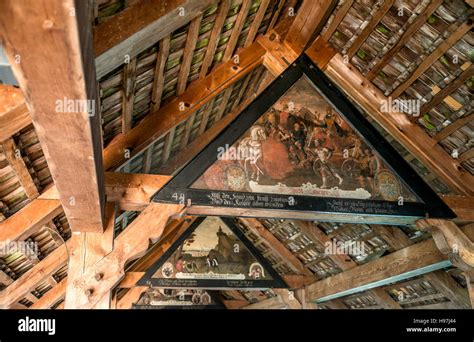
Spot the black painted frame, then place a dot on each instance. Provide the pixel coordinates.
(178, 190)
(214, 284)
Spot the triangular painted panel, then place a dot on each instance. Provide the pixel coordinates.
(157, 298)
(212, 254)
(301, 145)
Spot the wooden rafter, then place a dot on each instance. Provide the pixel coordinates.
(188, 54)
(128, 97)
(159, 80)
(52, 296)
(410, 135)
(237, 29)
(310, 17)
(214, 37)
(67, 40)
(257, 20)
(445, 132)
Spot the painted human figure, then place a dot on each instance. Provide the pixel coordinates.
(370, 166)
(298, 135)
(323, 156)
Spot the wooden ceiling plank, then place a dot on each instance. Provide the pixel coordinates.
(410, 135)
(406, 36)
(140, 26)
(463, 29)
(188, 54)
(168, 145)
(5, 279)
(62, 97)
(214, 37)
(378, 15)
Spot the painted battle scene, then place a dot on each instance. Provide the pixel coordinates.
(162, 298)
(212, 251)
(302, 146)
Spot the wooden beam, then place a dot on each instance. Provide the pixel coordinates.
(140, 26)
(158, 123)
(408, 262)
(130, 244)
(407, 35)
(463, 29)
(374, 21)
(451, 241)
(85, 251)
(131, 297)
(214, 37)
(276, 246)
(337, 19)
(448, 130)
(310, 17)
(289, 298)
(188, 54)
(14, 114)
(133, 191)
(30, 279)
(15, 159)
(62, 97)
(384, 299)
(52, 296)
(410, 135)
(279, 55)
